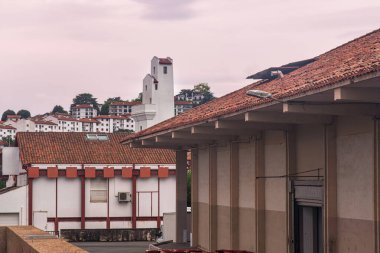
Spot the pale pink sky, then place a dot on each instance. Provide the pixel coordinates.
(51, 50)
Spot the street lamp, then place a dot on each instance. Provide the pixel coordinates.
(262, 95)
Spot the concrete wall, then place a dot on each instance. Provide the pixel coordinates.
(310, 149)
(11, 162)
(247, 182)
(27, 239)
(355, 160)
(203, 197)
(354, 187)
(275, 192)
(223, 211)
(3, 239)
(15, 201)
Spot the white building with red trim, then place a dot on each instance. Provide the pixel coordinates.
(82, 181)
(7, 131)
(122, 108)
(113, 123)
(83, 111)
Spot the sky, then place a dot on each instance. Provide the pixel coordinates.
(52, 50)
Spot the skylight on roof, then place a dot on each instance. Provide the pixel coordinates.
(97, 137)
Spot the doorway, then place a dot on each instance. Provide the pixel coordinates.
(308, 229)
(308, 216)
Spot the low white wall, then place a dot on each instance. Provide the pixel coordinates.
(15, 201)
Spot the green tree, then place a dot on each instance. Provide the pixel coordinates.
(6, 113)
(58, 109)
(205, 90)
(186, 92)
(9, 141)
(24, 114)
(105, 107)
(86, 98)
(138, 99)
(202, 88)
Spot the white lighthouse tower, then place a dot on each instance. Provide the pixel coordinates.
(157, 96)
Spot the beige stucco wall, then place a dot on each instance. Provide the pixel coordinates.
(223, 196)
(247, 224)
(355, 170)
(355, 186)
(310, 148)
(275, 192)
(203, 198)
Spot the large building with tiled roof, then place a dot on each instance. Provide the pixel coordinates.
(289, 163)
(86, 181)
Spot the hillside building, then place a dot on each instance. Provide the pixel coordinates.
(122, 108)
(83, 111)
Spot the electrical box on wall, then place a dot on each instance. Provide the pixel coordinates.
(124, 197)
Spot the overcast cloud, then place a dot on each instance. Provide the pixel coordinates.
(51, 50)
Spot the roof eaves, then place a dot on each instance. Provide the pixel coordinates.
(261, 104)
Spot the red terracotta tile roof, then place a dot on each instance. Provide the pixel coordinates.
(44, 122)
(7, 127)
(88, 120)
(83, 106)
(126, 103)
(355, 58)
(74, 148)
(166, 61)
(64, 118)
(112, 117)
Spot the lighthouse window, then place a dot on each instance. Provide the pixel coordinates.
(156, 86)
(165, 69)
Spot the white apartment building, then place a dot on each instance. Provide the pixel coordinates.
(83, 111)
(7, 131)
(182, 106)
(44, 126)
(122, 108)
(157, 96)
(113, 123)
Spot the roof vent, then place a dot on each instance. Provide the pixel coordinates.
(97, 137)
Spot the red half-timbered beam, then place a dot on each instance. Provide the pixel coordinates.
(83, 202)
(30, 201)
(134, 193)
(108, 205)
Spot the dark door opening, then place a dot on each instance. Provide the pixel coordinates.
(308, 229)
